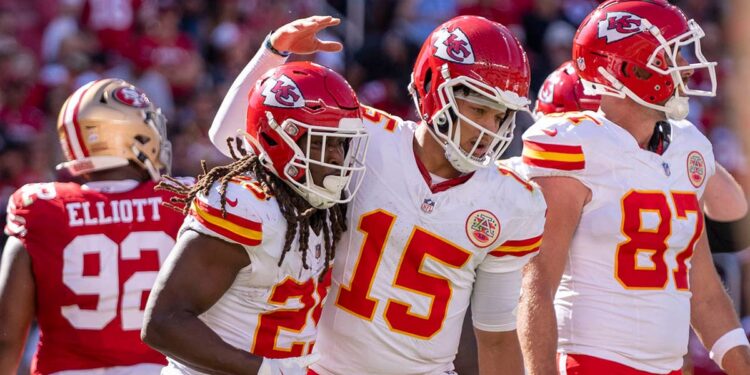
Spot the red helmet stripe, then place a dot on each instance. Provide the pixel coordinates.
(70, 119)
(67, 133)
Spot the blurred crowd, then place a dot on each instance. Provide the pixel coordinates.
(184, 54)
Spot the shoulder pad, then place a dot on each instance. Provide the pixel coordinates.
(20, 205)
(241, 218)
(379, 119)
(507, 168)
(554, 143)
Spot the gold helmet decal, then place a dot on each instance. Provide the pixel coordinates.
(109, 123)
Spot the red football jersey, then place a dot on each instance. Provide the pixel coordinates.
(95, 255)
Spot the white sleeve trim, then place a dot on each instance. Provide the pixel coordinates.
(233, 109)
(494, 300)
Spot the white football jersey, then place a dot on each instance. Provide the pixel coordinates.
(268, 310)
(624, 295)
(405, 269)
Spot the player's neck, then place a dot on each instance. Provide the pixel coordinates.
(432, 154)
(636, 119)
(116, 174)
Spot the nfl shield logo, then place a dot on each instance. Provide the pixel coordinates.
(666, 169)
(427, 205)
(317, 251)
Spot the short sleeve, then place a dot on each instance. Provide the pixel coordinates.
(239, 221)
(551, 148)
(524, 242)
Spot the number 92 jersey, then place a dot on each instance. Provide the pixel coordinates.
(624, 294)
(405, 269)
(95, 253)
(269, 310)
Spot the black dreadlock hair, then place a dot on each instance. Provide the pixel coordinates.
(299, 215)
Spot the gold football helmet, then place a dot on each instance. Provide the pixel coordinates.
(109, 123)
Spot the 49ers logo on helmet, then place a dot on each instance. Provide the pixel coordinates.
(453, 46)
(132, 97)
(282, 92)
(619, 25)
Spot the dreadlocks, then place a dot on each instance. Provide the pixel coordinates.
(297, 212)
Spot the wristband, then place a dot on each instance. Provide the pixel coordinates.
(725, 343)
(273, 50)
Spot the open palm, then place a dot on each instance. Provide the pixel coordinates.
(300, 36)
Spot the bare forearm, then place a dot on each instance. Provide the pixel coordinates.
(537, 326)
(712, 314)
(737, 360)
(186, 338)
(499, 353)
(712, 317)
(10, 355)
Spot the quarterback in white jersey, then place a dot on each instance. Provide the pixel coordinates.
(250, 269)
(437, 224)
(624, 233)
(404, 276)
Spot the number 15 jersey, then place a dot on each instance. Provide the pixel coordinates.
(624, 295)
(405, 269)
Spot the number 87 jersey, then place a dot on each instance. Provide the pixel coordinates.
(624, 294)
(405, 269)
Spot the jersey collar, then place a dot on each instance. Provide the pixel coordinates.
(445, 185)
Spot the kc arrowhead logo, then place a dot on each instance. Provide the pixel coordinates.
(282, 92)
(618, 26)
(453, 46)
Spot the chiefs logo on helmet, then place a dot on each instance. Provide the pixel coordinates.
(618, 26)
(547, 93)
(282, 92)
(453, 46)
(132, 97)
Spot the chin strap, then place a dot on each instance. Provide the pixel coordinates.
(661, 138)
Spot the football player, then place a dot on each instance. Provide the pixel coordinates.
(562, 91)
(82, 258)
(624, 235)
(435, 224)
(250, 270)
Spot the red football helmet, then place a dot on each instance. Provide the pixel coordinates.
(642, 49)
(486, 58)
(562, 91)
(305, 100)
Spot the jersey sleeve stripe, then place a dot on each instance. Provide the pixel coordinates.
(548, 147)
(556, 156)
(544, 155)
(561, 165)
(518, 247)
(233, 227)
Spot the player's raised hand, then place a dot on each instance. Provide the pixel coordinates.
(300, 36)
